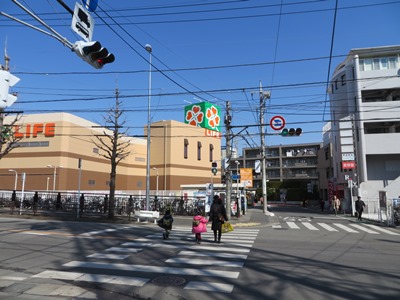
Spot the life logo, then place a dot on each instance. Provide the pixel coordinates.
(277, 122)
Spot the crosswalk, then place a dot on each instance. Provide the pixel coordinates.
(335, 227)
(209, 266)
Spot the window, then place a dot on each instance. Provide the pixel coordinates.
(198, 150)
(91, 182)
(343, 79)
(378, 63)
(211, 152)
(185, 148)
(95, 150)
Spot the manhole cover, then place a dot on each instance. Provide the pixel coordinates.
(169, 280)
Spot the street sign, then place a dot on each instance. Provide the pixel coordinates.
(348, 157)
(277, 122)
(235, 177)
(82, 23)
(257, 166)
(90, 5)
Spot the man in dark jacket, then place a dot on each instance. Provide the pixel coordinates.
(359, 207)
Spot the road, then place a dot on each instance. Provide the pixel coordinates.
(298, 254)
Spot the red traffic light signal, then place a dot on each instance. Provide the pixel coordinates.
(93, 53)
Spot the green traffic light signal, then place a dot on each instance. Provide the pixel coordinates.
(291, 132)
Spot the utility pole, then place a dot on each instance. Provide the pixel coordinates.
(228, 177)
(263, 97)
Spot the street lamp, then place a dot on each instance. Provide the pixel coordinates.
(157, 180)
(54, 175)
(148, 49)
(47, 184)
(16, 178)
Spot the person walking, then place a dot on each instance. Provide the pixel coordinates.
(58, 201)
(166, 223)
(130, 207)
(322, 204)
(217, 217)
(336, 204)
(359, 207)
(13, 201)
(199, 225)
(81, 203)
(35, 203)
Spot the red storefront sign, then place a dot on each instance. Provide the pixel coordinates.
(348, 164)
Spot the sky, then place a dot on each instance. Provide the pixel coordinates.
(202, 50)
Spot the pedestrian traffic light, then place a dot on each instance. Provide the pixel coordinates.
(214, 167)
(291, 132)
(7, 80)
(93, 53)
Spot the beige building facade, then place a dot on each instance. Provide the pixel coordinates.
(52, 145)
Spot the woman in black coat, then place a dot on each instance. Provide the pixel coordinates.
(217, 217)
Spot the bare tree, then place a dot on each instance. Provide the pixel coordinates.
(114, 146)
(8, 141)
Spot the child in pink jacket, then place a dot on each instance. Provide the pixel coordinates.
(199, 226)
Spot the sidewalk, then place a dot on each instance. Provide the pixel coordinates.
(253, 216)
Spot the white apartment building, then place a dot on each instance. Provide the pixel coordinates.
(365, 126)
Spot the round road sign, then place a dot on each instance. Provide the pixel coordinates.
(277, 122)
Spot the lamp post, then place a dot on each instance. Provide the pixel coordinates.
(157, 180)
(47, 184)
(54, 175)
(148, 49)
(16, 178)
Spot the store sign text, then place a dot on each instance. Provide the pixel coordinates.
(47, 130)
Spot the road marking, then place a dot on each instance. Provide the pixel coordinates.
(382, 229)
(126, 250)
(309, 226)
(345, 228)
(101, 278)
(12, 278)
(192, 261)
(209, 286)
(212, 254)
(108, 256)
(364, 229)
(327, 227)
(152, 269)
(292, 225)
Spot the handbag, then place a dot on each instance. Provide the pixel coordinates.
(226, 227)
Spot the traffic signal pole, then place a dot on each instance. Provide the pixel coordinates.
(228, 177)
(263, 97)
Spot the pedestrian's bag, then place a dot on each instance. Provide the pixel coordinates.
(226, 227)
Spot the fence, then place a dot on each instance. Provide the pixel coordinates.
(95, 203)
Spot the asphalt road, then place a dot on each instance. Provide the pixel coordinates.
(297, 254)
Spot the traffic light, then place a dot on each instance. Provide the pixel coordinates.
(7, 80)
(214, 167)
(93, 53)
(291, 132)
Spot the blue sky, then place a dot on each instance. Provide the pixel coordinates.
(211, 50)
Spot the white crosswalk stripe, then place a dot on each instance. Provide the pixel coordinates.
(335, 227)
(213, 262)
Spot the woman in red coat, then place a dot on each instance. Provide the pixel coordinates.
(199, 226)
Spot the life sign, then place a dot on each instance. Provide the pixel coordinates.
(35, 130)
